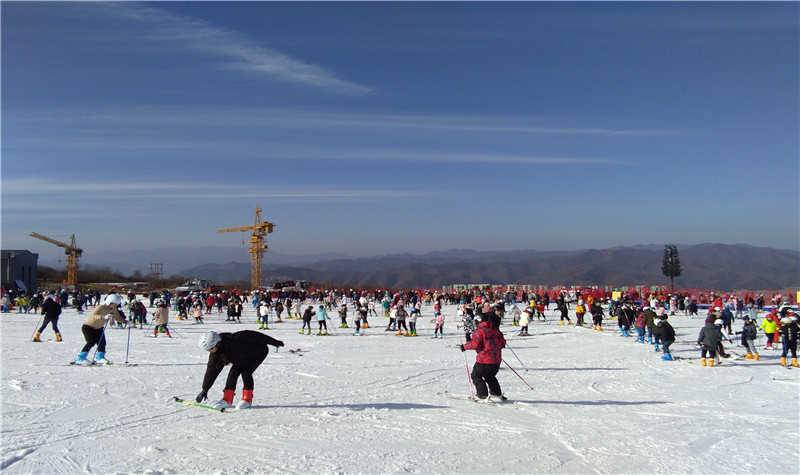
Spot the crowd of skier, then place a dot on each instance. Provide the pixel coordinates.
(479, 315)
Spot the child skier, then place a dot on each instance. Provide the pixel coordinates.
(263, 315)
(667, 336)
(93, 332)
(789, 331)
(639, 324)
(561, 306)
(197, 311)
(580, 311)
(597, 316)
(322, 317)
(524, 321)
(309, 312)
(343, 315)
(244, 351)
(412, 319)
(770, 327)
(710, 338)
(438, 325)
(515, 314)
(749, 334)
(161, 318)
(400, 317)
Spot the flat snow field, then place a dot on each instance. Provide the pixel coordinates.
(382, 403)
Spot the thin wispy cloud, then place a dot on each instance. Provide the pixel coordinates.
(238, 51)
(243, 117)
(110, 190)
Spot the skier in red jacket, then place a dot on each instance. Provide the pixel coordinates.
(489, 343)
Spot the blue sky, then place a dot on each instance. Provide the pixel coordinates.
(372, 128)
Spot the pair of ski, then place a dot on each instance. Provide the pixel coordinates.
(199, 405)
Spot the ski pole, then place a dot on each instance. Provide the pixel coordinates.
(518, 375)
(515, 355)
(37, 326)
(469, 381)
(128, 346)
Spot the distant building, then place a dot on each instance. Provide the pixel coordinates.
(18, 270)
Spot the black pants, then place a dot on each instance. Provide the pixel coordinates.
(323, 324)
(391, 324)
(483, 375)
(306, 322)
(245, 373)
(401, 324)
(412, 327)
(51, 320)
(789, 345)
(597, 319)
(93, 336)
(712, 352)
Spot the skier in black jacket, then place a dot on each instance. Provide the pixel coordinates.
(245, 351)
(710, 338)
(51, 310)
(666, 334)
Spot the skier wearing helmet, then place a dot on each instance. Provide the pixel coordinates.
(789, 330)
(710, 338)
(244, 351)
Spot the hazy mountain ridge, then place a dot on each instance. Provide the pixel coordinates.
(720, 266)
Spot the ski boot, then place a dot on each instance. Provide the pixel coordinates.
(703, 362)
(794, 363)
(227, 400)
(748, 356)
(357, 333)
(100, 358)
(58, 337)
(365, 325)
(301, 331)
(756, 356)
(667, 357)
(247, 399)
(561, 323)
(81, 359)
(783, 361)
(711, 362)
(37, 337)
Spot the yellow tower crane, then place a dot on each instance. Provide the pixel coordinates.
(259, 231)
(73, 253)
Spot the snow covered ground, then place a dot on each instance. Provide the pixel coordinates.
(381, 403)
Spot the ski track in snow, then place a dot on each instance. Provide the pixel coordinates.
(388, 404)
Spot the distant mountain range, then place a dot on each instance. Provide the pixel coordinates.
(717, 266)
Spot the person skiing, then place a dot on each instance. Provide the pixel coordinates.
(161, 318)
(51, 311)
(710, 338)
(400, 318)
(789, 330)
(524, 321)
(244, 351)
(438, 325)
(307, 314)
(515, 316)
(580, 311)
(322, 317)
(770, 327)
(488, 342)
(93, 330)
(597, 316)
(561, 306)
(416, 311)
(639, 324)
(749, 335)
(343, 315)
(263, 315)
(666, 334)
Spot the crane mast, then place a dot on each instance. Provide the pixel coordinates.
(73, 253)
(258, 233)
